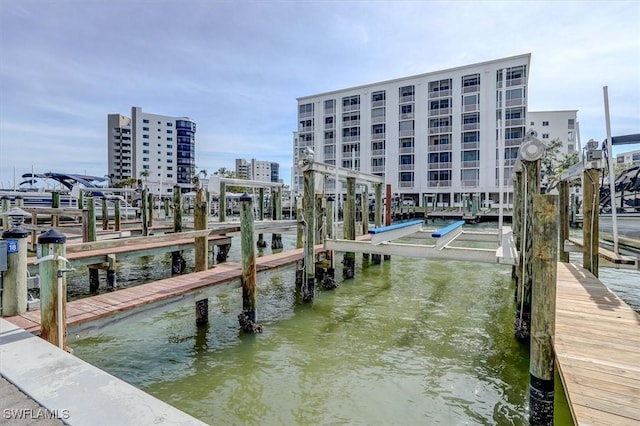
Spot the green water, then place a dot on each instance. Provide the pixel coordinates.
(407, 342)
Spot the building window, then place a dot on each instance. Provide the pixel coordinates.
(545, 123)
(169, 139)
(146, 160)
(571, 124)
(169, 124)
(545, 136)
(378, 112)
(145, 129)
(471, 80)
(169, 131)
(145, 151)
(351, 101)
(145, 136)
(406, 109)
(378, 96)
(169, 160)
(533, 123)
(407, 91)
(306, 109)
(329, 104)
(406, 177)
(145, 121)
(145, 143)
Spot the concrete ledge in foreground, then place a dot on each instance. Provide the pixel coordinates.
(74, 391)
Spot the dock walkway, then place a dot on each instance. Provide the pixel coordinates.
(109, 304)
(597, 347)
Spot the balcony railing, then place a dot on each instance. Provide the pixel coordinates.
(329, 141)
(350, 123)
(474, 164)
(379, 103)
(510, 161)
(377, 169)
(307, 114)
(469, 183)
(511, 102)
(376, 120)
(406, 184)
(329, 126)
(512, 82)
(377, 152)
(439, 94)
(470, 145)
(407, 98)
(405, 133)
(439, 183)
(439, 166)
(471, 108)
(514, 122)
(407, 150)
(471, 89)
(406, 115)
(351, 138)
(378, 136)
(331, 110)
(407, 167)
(439, 111)
(439, 147)
(306, 129)
(513, 142)
(348, 108)
(471, 126)
(440, 129)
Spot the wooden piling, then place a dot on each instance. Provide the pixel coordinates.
(55, 204)
(349, 229)
(248, 318)
(200, 223)
(541, 364)
(377, 219)
(222, 202)
(177, 261)
(261, 242)
(387, 213)
(91, 219)
(111, 272)
(276, 213)
(563, 209)
(516, 225)
(145, 212)
(14, 291)
(53, 289)
(591, 220)
(309, 206)
(202, 312)
(116, 214)
(6, 205)
(150, 209)
(300, 229)
(105, 214)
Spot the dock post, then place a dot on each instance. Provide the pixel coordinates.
(116, 214)
(309, 205)
(543, 295)
(81, 200)
(202, 312)
(222, 202)
(377, 219)
(364, 201)
(563, 208)
(531, 187)
(248, 318)
(111, 272)
(349, 260)
(177, 261)
(300, 229)
(276, 206)
(261, 242)
(55, 204)
(6, 205)
(387, 213)
(330, 234)
(516, 223)
(319, 218)
(105, 214)
(590, 220)
(150, 208)
(94, 273)
(166, 207)
(200, 223)
(53, 288)
(144, 202)
(14, 293)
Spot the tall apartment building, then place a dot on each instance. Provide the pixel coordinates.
(264, 171)
(430, 135)
(629, 158)
(551, 125)
(157, 149)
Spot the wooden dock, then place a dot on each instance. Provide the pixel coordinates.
(597, 347)
(108, 304)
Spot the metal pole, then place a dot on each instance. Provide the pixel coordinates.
(612, 178)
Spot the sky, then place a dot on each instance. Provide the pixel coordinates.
(237, 67)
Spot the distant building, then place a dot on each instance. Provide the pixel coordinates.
(429, 135)
(158, 150)
(264, 171)
(551, 125)
(630, 158)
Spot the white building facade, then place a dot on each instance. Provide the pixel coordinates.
(431, 135)
(552, 125)
(158, 150)
(263, 171)
(629, 158)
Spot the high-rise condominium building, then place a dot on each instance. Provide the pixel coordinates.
(156, 149)
(430, 135)
(552, 125)
(264, 171)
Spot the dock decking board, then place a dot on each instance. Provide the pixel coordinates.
(597, 346)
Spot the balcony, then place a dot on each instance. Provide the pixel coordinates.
(328, 111)
(474, 164)
(351, 138)
(469, 183)
(329, 141)
(407, 98)
(511, 102)
(308, 114)
(378, 136)
(439, 94)
(405, 133)
(470, 126)
(329, 126)
(511, 122)
(351, 123)
(349, 108)
(406, 184)
(377, 120)
(439, 183)
(439, 147)
(377, 152)
(513, 142)
(378, 103)
(377, 169)
(439, 166)
(440, 129)
(407, 115)
(407, 150)
(305, 129)
(512, 82)
(510, 161)
(471, 89)
(470, 145)
(406, 167)
(471, 108)
(439, 111)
